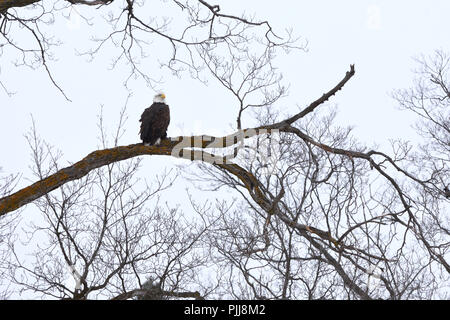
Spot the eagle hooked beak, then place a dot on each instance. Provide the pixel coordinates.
(163, 95)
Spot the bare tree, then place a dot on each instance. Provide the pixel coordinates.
(101, 231)
(328, 230)
(134, 33)
(429, 99)
(8, 227)
(314, 214)
(320, 224)
(319, 206)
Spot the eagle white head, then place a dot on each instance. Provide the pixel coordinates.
(159, 97)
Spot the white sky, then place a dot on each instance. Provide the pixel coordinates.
(379, 37)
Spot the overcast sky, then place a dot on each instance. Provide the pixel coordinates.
(380, 37)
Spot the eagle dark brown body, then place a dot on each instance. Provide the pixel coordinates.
(154, 122)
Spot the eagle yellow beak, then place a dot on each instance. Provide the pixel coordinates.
(163, 95)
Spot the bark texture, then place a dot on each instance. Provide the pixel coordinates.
(6, 4)
(178, 147)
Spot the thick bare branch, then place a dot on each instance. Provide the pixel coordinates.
(100, 158)
(6, 4)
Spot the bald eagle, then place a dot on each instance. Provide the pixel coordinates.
(154, 121)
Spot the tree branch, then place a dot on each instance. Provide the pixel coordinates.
(7, 4)
(172, 147)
